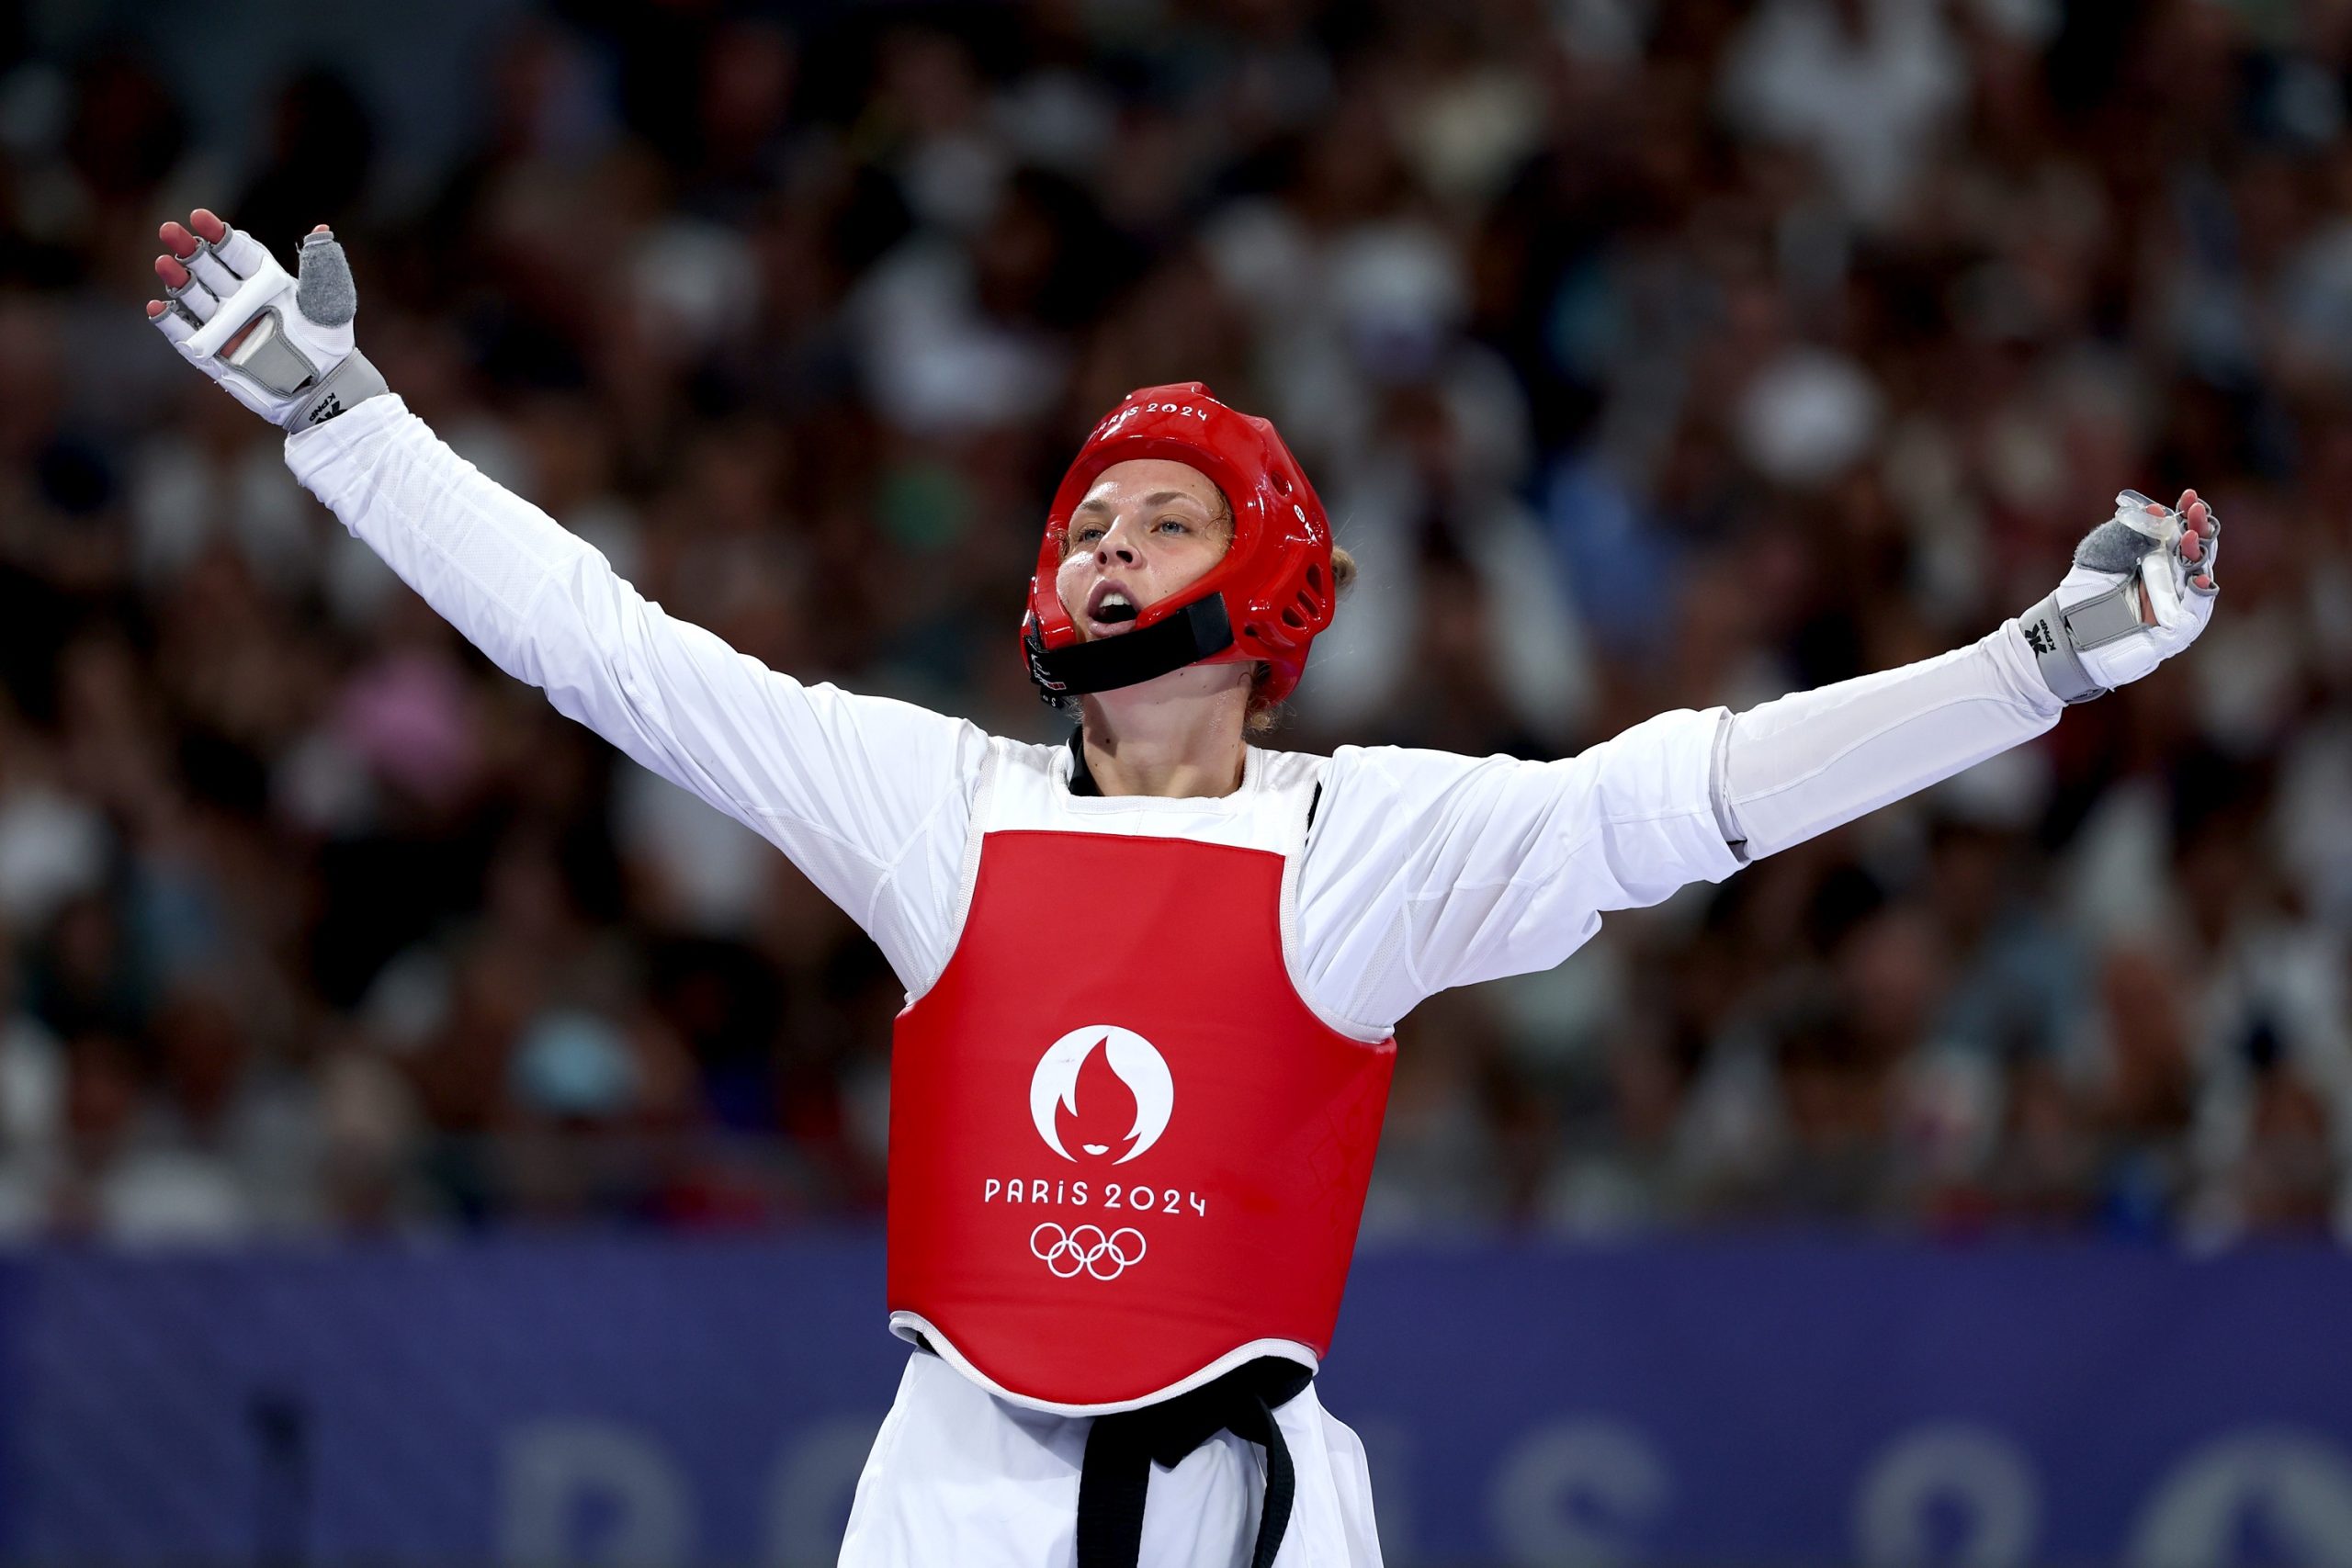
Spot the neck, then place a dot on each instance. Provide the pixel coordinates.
(1178, 736)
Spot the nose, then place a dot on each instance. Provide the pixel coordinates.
(1117, 544)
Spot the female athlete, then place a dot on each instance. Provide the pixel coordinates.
(1152, 974)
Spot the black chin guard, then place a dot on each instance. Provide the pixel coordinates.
(1193, 633)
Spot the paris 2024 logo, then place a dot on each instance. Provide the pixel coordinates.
(1099, 1096)
(1128, 1061)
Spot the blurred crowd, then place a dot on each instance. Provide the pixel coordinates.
(1648, 353)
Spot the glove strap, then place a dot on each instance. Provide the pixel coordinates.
(352, 382)
(269, 358)
(2060, 637)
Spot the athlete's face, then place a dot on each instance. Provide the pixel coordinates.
(1146, 529)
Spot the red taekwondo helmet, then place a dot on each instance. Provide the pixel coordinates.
(1265, 600)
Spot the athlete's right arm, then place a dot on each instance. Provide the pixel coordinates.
(866, 795)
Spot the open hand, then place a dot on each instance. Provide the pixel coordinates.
(280, 344)
(2142, 589)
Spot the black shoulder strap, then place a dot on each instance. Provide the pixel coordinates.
(1081, 777)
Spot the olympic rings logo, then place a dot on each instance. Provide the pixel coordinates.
(1086, 1250)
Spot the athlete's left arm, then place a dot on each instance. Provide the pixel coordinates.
(2142, 589)
(1426, 870)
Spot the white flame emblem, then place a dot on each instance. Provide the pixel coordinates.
(1137, 1062)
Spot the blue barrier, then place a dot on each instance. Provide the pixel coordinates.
(666, 1402)
(12, 1279)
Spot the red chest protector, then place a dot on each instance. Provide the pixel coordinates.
(1125, 1156)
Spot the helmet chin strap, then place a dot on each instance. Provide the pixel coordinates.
(1198, 631)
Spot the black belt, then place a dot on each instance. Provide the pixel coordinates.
(1122, 1449)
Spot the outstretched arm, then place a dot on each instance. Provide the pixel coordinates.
(854, 789)
(1428, 871)
(2142, 589)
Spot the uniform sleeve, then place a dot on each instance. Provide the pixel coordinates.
(1812, 760)
(855, 790)
(1428, 869)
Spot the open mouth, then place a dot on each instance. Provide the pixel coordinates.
(1111, 606)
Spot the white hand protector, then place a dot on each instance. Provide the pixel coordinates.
(2097, 632)
(298, 365)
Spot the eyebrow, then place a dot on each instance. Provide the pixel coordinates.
(1156, 498)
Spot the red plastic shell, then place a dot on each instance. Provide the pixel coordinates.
(1276, 575)
(1241, 1203)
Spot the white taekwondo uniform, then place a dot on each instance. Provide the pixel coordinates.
(1423, 870)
